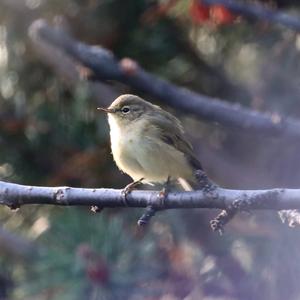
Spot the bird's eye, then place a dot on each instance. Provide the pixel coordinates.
(125, 109)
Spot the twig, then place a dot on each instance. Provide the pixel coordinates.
(147, 215)
(259, 11)
(240, 204)
(218, 223)
(106, 67)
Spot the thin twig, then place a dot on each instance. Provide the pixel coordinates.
(147, 215)
(218, 223)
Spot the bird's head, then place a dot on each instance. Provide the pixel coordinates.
(128, 108)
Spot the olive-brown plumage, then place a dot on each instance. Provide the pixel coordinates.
(148, 142)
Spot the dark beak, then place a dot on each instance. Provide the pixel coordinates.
(107, 110)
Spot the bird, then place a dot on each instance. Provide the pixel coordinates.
(149, 144)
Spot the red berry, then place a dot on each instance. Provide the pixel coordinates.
(199, 12)
(221, 15)
(98, 272)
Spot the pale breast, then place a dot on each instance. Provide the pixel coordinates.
(138, 151)
(124, 145)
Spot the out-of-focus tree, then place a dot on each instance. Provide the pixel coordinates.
(51, 134)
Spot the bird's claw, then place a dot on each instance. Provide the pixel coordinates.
(164, 192)
(162, 196)
(129, 188)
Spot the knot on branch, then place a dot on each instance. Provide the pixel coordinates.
(96, 209)
(13, 204)
(291, 217)
(60, 195)
(204, 183)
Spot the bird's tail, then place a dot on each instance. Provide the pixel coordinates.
(185, 184)
(199, 182)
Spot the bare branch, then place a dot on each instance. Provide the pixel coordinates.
(16, 195)
(105, 66)
(259, 11)
(67, 69)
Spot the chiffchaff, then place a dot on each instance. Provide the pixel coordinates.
(148, 143)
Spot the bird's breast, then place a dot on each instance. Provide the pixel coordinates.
(138, 151)
(124, 138)
(126, 146)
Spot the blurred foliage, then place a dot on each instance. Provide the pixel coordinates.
(51, 134)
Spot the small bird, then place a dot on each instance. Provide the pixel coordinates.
(148, 143)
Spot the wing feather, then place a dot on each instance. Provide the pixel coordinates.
(172, 133)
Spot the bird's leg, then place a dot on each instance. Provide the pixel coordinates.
(128, 188)
(131, 186)
(165, 190)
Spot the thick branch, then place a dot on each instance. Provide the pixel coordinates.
(259, 11)
(16, 195)
(106, 67)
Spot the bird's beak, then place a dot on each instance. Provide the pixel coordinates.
(107, 110)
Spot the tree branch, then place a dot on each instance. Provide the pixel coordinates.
(16, 195)
(106, 67)
(67, 69)
(259, 11)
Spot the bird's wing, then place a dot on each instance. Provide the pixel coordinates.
(172, 133)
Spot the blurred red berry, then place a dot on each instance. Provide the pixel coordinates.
(199, 12)
(94, 264)
(221, 15)
(97, 272)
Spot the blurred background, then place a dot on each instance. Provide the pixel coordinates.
(51, 134)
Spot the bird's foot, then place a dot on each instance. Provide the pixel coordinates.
(165, 190)
(130, 187)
